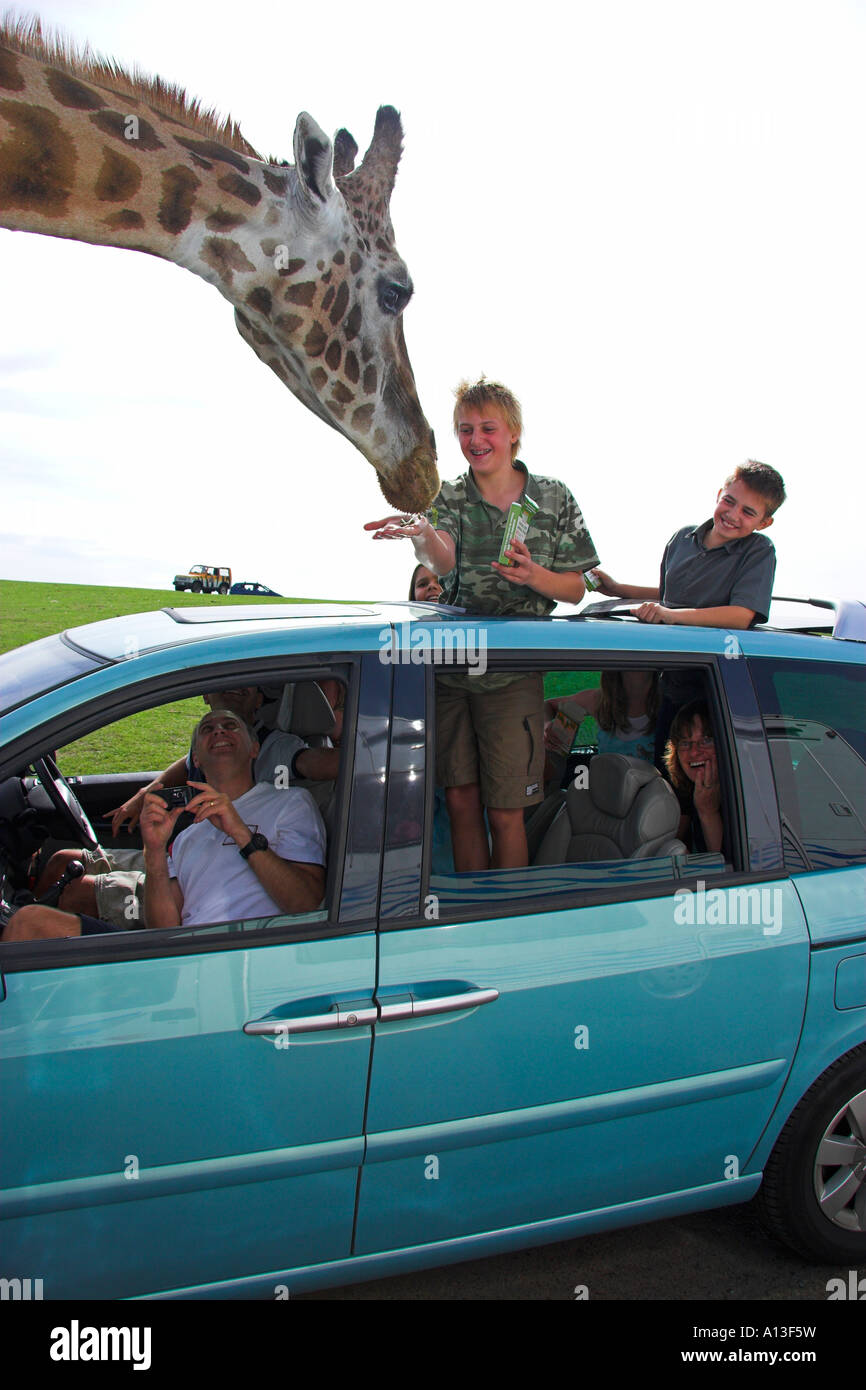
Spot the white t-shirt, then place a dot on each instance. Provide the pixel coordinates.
(216, 883)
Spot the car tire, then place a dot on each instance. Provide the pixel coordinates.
(224, 588)
(822, 1151)
(196, 587)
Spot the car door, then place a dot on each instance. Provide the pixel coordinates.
(184, 1109)
(552, 1056)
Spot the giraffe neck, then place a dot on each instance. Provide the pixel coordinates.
(311, 268)
(84, 162)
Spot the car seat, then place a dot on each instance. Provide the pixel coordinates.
(627, 811)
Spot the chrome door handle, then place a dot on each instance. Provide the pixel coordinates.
(343, 1016)
(444, 1004)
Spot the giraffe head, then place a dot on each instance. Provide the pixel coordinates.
(324, 309)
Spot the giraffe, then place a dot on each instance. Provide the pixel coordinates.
(304, 253)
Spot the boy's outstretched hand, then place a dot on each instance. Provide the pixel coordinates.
(395, 528)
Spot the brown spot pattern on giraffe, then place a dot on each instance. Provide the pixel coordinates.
(355, 263)
(362, 418)
(118, 180)
(315, 341)
(351, 368)
(10, 71)
(370, 380)
(327, 301)
(352, 326)
(334, 355)
(123, 219)
(340, 303)
(114, 123)
(260, 299)
(293, 267)
(37, 161)
(225, 256)
(201, 163)
(304, 293)
(288, 324)
(210, 149)
(68, 91)
(277, 183)
(222, 221)
(318, 376)
(178, 196)
(240, 188)
(342, 393)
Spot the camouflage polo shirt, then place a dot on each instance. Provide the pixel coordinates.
(557, 538)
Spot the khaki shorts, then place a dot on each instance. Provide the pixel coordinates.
(118, 883)
(494, 738)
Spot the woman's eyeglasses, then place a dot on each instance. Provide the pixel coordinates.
(705, 741)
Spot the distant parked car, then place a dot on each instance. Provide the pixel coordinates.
(260, 590)
(204, 579)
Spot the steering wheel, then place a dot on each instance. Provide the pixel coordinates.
(64, 800)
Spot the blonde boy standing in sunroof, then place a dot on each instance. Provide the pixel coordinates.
(489, 728)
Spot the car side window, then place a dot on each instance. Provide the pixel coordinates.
(606, 821)
(96, 785)
(815, 724)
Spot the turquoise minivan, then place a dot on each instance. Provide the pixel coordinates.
(433, 1066)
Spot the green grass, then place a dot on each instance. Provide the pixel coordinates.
(31, 611)
(149, 740)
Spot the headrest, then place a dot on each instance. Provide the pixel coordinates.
(615, 780)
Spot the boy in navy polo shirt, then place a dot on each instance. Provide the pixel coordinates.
(718, 574)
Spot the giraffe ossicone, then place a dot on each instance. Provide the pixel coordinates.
(305, 254)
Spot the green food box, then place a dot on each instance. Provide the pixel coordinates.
(517, 524)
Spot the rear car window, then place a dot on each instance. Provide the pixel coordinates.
(815, 720)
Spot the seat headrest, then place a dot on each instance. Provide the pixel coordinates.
(615, 781)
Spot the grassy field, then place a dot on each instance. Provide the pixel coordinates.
(147, 741)
(154, 738)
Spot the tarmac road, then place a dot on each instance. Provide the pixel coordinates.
(718, 1255)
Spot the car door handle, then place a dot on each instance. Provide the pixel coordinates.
(340, 1017)
(410, 1006)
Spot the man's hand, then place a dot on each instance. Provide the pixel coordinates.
(523, 570)
(218, 808)
(157, 821)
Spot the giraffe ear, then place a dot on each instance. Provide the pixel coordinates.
(314, 157)
(345, 151)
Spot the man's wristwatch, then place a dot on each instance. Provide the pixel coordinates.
(258, 841)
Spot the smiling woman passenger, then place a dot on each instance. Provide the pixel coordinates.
(693, 768)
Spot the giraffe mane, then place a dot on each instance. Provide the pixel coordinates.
(25, 35)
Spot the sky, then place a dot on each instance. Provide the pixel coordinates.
(648, 219)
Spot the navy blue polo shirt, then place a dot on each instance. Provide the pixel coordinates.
(740, 572)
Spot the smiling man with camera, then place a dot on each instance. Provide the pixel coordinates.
(251, 850)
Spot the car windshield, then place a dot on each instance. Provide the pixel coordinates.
(39, 667)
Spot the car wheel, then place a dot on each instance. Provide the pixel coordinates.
(179, 588)
(813, 1195)
(196, 587)
(224, 588)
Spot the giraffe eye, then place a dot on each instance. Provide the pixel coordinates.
(393, 298)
